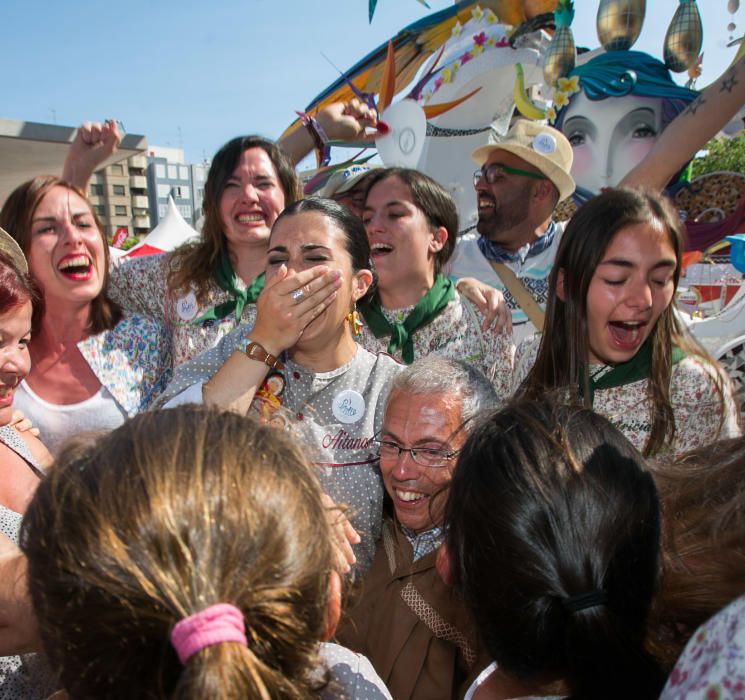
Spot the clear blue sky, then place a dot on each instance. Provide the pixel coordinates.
(196, 74)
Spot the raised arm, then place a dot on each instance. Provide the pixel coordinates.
(690, 130)
(92, 145)
(339, 121)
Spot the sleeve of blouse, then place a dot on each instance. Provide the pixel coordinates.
(704, 405)
(139, 285)
(200, 369)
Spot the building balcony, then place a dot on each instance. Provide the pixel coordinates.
(138, 182)
(140, 201)
(139, 162)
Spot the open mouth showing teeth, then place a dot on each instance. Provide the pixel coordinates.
(626, 333)
(79, 265)
(249, 218)
(410, 496)
(484, 203)
(380, 249)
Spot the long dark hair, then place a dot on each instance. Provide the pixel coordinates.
(549, 502)
(194, 264)
(564, 350)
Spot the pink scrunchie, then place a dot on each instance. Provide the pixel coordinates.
(217, 623)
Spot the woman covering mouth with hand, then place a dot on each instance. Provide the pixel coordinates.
(92, 366)
(611, 335)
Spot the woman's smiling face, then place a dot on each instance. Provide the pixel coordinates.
(66, 254)
(630, 289)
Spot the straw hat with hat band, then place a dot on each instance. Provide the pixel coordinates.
(541, 146)
(9, 247)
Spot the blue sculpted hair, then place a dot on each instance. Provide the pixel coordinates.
(621, 73)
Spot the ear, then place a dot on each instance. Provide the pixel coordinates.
(439, 239)
(361, 283)
(560, 284)
(333, 609)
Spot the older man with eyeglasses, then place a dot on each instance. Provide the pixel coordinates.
(520, 180)
(414, 630)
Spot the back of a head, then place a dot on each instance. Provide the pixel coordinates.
(169, 514)
(553, 535)
(703, 501)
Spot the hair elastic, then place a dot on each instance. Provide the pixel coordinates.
(213, 625)
(583, 601)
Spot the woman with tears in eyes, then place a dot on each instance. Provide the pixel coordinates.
(299, 365)
(93, 365)
(611, 338)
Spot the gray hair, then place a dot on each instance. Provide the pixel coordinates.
(434, 375)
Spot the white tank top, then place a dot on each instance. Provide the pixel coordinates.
(57, 422)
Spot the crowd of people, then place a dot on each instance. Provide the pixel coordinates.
(334, 450)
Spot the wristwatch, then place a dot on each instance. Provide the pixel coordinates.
(257, 352)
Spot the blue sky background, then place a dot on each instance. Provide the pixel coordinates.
(193, 75)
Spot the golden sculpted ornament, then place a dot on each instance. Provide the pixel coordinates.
(684, 37)
(561, 54)
(619, 23)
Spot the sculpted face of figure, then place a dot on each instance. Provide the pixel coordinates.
(610, 136)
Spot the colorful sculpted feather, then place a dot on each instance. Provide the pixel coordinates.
(412, 46)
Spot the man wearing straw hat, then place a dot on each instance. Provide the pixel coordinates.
(520, 181)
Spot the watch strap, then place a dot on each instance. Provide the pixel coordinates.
(257, 352)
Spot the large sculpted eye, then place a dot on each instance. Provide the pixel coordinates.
(644, 131)
(577, 138)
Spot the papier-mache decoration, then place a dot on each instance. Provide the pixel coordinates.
(684, 37)
(561, 55)
(619, 23)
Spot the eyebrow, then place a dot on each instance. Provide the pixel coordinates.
(75, 215)
(623, 262)
(305, 248)
(419, 441)
(392, 203)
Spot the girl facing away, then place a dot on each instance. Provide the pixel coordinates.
(611, 336)
(553, 531)
(187, 554)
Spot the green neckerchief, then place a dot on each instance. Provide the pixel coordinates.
(227, 280)
(636, 369)
(428, 308)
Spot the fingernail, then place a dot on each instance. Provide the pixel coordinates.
(383, 128)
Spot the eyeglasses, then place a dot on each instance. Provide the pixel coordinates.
(423, 456)
(492, 173)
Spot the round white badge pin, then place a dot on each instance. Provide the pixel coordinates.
(348, 406)
(186, 307)
(544, 143)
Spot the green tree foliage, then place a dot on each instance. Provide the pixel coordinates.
(722, 154)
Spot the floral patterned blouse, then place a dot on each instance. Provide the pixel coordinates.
(456, 334)
(702, 416)
(132, 360)
(140, 285)
(712, 666)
